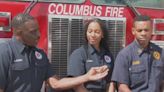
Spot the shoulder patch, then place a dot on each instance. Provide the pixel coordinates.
(38, 55)
(107, 58)
(156, 55)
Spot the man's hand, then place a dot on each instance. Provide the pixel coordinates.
(96, 73)
(1, 90)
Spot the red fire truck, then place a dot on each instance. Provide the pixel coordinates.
(61, 23)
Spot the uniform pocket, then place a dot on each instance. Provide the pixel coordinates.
(19, 70)
(158, 67)
(90, 63)
(19, 66)
(137, 76)
(158, 64)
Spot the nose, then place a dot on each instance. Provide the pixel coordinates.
(143, 32)
(93, 34)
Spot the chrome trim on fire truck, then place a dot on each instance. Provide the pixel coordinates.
(52, 1)
(6, 15)
(155, 30)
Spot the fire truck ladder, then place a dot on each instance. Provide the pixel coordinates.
(131, 6)
(32, 4)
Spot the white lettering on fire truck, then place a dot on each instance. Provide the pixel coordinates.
(114, 11)
(85, 10)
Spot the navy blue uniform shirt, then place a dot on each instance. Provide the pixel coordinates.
(22, 69)
(85, 57)
(141, 69)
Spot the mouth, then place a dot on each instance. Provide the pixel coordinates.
(92, 40)
(142, 39)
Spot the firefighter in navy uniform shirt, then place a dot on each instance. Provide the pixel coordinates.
(25, 74)
(95, 52)
(140, 66)
(24, 67)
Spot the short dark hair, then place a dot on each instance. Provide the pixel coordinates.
(20, 19)
(104, 40)
(141, 18)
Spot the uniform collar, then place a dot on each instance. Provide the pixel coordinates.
(18, 44)
(92, 50)
(140, 50)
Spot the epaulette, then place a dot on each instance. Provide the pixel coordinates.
(155, 47)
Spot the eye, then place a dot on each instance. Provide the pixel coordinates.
(140, 30)
(89, 31)
(97, 31)
(146, 30)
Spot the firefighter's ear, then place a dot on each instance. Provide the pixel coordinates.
(133, 30)
(102, 36)
(17, 31)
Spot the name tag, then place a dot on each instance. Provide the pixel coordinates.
(89, 61)
(136, 62)
(18, 60)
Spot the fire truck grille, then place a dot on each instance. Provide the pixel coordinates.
(66, 35)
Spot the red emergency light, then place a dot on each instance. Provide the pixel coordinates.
(4, 21)
(159, 26)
